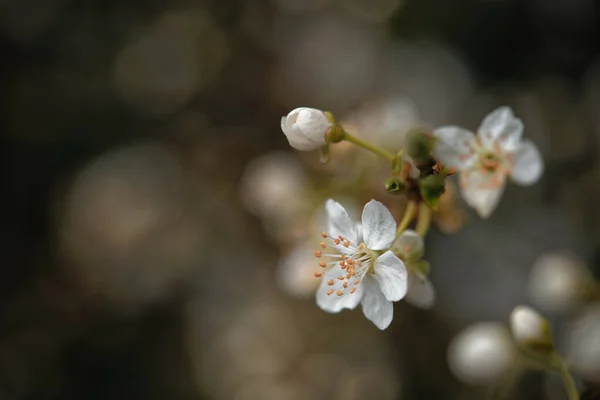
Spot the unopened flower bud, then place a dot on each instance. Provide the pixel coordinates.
(394, 186)
(419, 145)
(306, 128)
(530, 329)
(432, 188)
(482, 353)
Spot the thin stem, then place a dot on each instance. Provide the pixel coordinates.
(568, 380)
(409, 215)
(424, 221)
(368, 146)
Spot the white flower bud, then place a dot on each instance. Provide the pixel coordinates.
(529, 328)
(482, 353)
(305, 128)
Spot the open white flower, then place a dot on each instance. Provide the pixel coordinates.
(409, 247)
(305, 128)
(362, 271)
(486, 159)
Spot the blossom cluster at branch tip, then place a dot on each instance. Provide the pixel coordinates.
(486, 160)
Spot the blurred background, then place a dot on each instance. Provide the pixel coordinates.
(157, 230)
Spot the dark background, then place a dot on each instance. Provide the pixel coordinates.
(126, 258)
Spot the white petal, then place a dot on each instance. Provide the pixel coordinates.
(409, 245)
(378, 226)
(528, 164)
(421, 292)
(455, 147)
(333, 303)
(314, 124)
(501, 126)
(374, 304)
(339, 222)
(295, 136)
(482, 190)
(391, 275)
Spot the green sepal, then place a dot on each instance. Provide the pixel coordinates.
(324, 154)
(394, 186)
(432, 188)
(419, 145)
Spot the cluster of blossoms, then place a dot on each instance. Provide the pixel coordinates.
(378, 261)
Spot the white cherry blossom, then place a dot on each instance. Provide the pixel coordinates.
(486, 160)
(409, 247)
(305, 128)
(363, 270)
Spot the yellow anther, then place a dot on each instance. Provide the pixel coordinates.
(339, 293)
(322, 264)
(329, 292)
(346, 243)
(322, 245)
(330, 282)
(353, 290)
(324, 235)
(318, 274)
(318, 254)
(341, 278)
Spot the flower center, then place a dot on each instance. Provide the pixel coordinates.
(351, 261)
(490, 161)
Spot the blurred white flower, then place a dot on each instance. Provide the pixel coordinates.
(358, 273)
(272, 188)
(487, 159)
(529, 328)
(481, 353)
(271, 184)
(409, 247)
(294, 273)
(583, 343)
(557, 282)
(305, 128)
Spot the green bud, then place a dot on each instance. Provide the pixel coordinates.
(432, 188)
(394, 186)
(419, 145)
